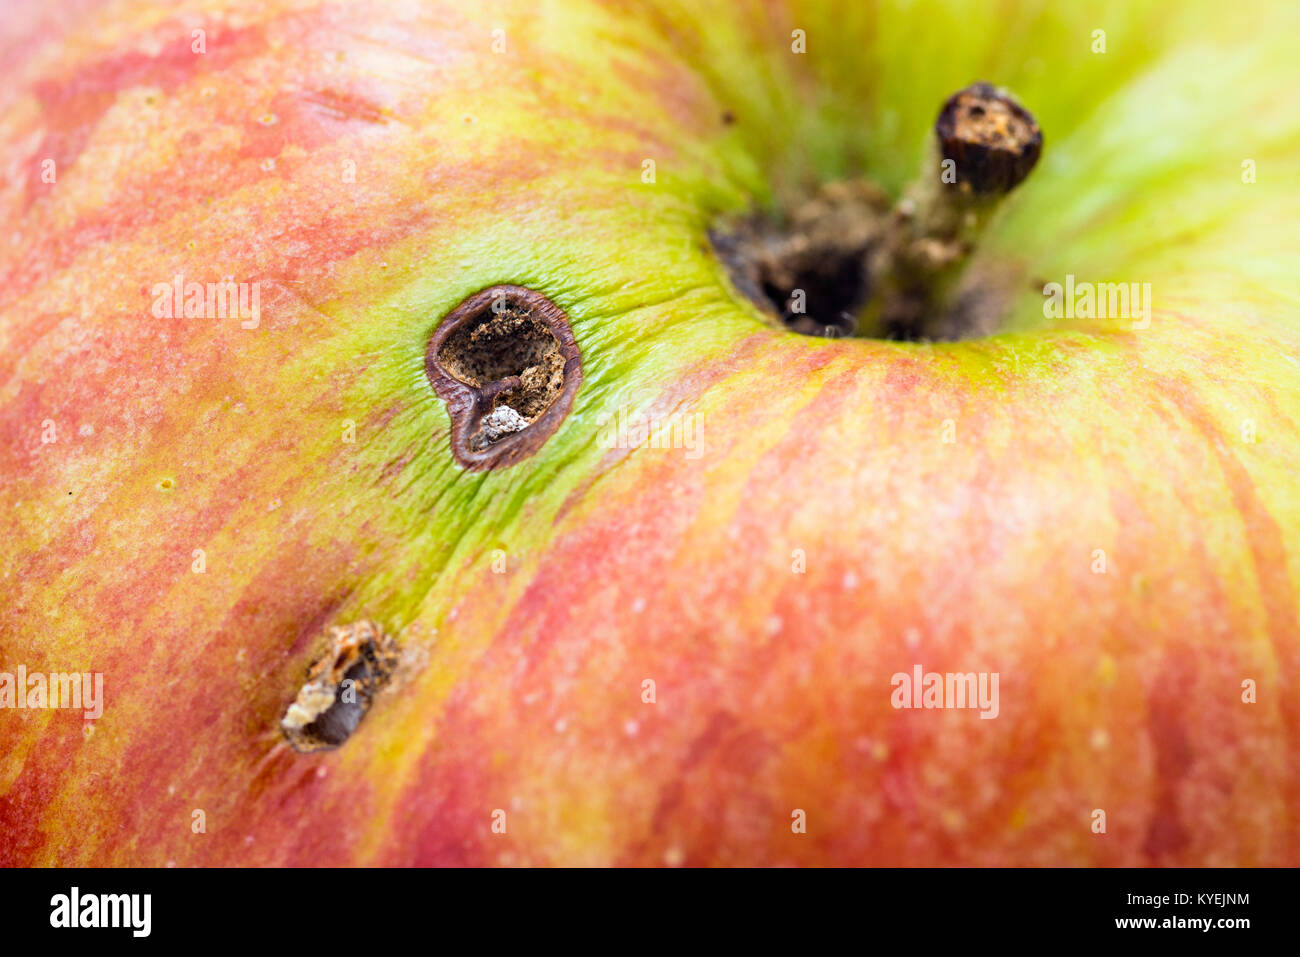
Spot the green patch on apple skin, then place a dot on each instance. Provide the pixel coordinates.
(1153, 187)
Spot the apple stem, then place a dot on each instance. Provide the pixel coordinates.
(983, 147)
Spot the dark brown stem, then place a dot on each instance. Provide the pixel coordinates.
(984, 145)
(992, 141)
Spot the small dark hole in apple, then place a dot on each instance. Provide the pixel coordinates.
(340, 687)
(506, 363)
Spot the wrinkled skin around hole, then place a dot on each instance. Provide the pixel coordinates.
(506, 363)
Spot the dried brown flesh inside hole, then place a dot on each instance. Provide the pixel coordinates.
(506, 363)
(340, 687)
(511, 347)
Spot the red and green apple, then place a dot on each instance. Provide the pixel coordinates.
(622, 651)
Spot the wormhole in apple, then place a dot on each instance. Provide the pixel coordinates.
(845, 259)
(341, 686)
(507, 366)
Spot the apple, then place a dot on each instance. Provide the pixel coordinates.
(706, 612)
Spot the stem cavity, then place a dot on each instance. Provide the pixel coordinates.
(844, 263)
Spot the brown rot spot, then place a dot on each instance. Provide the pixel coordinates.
(507, 365)
(340, 687)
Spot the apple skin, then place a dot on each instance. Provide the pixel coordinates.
(1119, 691)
